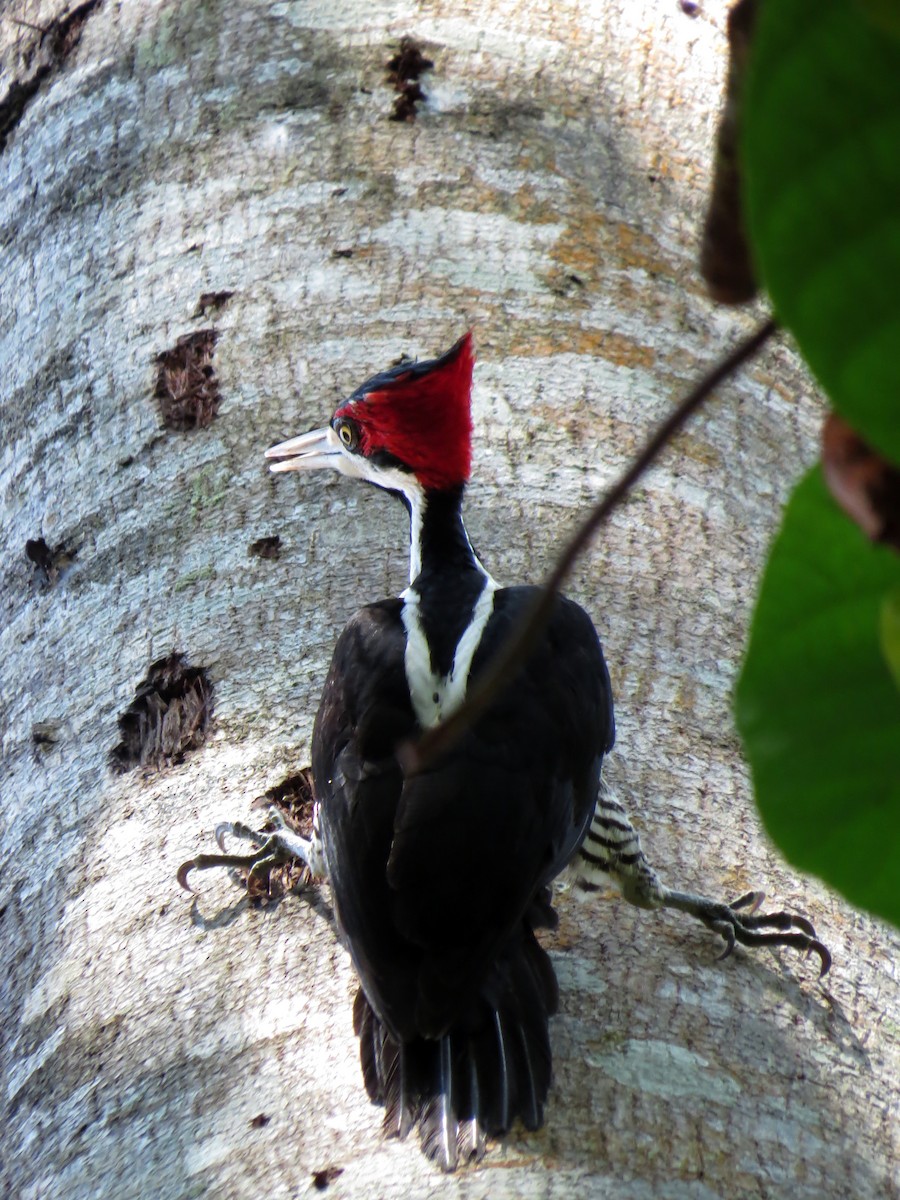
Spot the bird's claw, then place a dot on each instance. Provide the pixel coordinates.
(183, 871)
(752, 901)
(273, 848)
(742, 922)
(753, 928)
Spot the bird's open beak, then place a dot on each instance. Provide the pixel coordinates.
(309, 452)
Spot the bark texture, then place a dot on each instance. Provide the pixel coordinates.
(549, 192)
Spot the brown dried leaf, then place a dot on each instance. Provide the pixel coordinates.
(725, 261)
(405, 105)
(865, 485)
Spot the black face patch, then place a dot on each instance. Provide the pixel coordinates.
(386, 460)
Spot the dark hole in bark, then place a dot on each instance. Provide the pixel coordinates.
(186, 384)
(265, 547)
(45, 733)
(409, 63)
(168, 716)
(404, 70)
(39, 552)
(215, 300)
(49, 564)
(321, 1179)
(405, 105)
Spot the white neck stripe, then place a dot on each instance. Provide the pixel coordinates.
(416, 500)
(435, 696)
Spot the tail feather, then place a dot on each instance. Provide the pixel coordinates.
(538, 992)
(402, 1098)
(366, 1027)
(505, 1080)
(531, 1102)
(490, 1069)
(470, 1136)
(439, 1125)
(386, 1076)
(471, 1141)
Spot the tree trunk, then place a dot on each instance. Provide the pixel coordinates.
(548, 192)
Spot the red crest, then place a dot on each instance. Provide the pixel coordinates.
(421, 414)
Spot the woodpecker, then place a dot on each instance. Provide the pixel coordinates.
(440, 878)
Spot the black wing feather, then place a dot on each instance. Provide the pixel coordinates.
(439, 879)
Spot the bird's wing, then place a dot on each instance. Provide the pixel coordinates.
(479, 834)
(365, 712)
(432, 873)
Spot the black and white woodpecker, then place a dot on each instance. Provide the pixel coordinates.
(441, 878)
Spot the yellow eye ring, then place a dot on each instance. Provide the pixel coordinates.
(347, 432)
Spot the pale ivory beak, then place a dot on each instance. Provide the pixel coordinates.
(309, 452)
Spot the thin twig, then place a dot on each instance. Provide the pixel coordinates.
(436, 741)
(28, 25)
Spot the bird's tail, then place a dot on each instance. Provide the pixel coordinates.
(487, 1071)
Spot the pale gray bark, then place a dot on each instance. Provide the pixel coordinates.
(550, 194)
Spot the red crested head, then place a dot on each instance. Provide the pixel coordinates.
(415, 417)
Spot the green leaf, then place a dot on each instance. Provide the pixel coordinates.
(821, 155)
(817, 707)
(885, 14)
(890, 633)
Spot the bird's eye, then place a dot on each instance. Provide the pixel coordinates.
(348, 432)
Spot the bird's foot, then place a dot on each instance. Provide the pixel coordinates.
(275, 848)
(741, 921)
